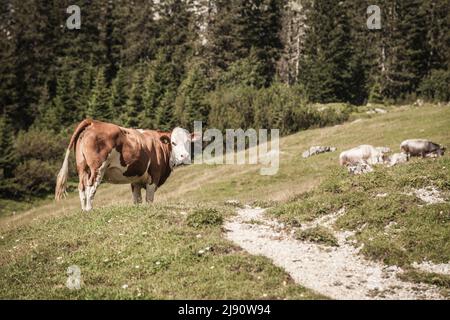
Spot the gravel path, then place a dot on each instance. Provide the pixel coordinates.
(337, 272)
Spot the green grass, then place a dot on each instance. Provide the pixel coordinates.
(152, 250)
(204, 217)
(418, 231)
(440, 280)
(11, 207)
(39, 244)
(317, 234)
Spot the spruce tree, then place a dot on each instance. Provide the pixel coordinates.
(134, 105)
(240, 25)
(164, 115)
(404, 49)
(249, 71)
(7, 154)
(329, 68)
(175, 26)
(190, 104)
(160, 91)
(119, 94)
(437, 16)
(140, 32)
(61, 111)
(99, 107)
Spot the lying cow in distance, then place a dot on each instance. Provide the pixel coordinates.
(362, 154)
(143, 158)
(397, 158)
(422, 148)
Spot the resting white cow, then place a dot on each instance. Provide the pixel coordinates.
(397, 158)
(362, 154)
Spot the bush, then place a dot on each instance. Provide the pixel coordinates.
(376, 94)
(38, 157)
(282, 107)
(317, 235)
(35, 177)
(231, 108)
(436, 87)
(40, 144)
(204, 217)
(279, 106)
(248, 72)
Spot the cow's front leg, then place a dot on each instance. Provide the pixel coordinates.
(136, 190)
(150, 194)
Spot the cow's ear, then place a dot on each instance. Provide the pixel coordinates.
(195, 137)
(165, 139)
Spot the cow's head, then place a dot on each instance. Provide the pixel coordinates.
(180, 141)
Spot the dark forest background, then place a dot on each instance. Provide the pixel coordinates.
(228, 63)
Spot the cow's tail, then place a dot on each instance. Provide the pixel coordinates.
(63, 175)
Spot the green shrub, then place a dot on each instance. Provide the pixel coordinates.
(35, 177)
(204, 217)
(40, 144)
(231, 108)
(38, 157)
(318, 235)
(279, 106)
(436, 87)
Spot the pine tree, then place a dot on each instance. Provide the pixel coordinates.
(85, 84)
(267, 42)
(164, 115)
(329, 67)
(160, 90)
(27, 26)
(119, 94)
(99, 107)
(7, 154)
(437, 17)
(149, 99)
(249, 71)
(140, 32)
(117, 18)
(404, 49)
(175, 27)
(61, 111)
(8, 94)
(240, 25)
(190, 104)
(134, 105)
(226, 39)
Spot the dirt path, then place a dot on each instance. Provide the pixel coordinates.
(337, 272)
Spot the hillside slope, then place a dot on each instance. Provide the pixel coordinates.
(171, 251)
(212, 184)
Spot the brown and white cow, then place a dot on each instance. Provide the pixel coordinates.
(422, 148)
(105, 151)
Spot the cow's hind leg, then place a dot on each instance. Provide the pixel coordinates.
(94, 181)
(136, 190)
(82, 189)
(83, 176)
(150, 193)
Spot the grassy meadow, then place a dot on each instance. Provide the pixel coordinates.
(175, 248)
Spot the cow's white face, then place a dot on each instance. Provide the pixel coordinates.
(181, 146)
